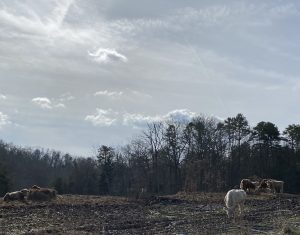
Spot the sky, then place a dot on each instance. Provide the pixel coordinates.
(76, 74)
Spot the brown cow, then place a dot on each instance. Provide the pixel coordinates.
(256, 183)
(247, 185)
(263, 185)
(270, 186)
(43, 194)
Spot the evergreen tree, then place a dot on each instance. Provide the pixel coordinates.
(105, 163)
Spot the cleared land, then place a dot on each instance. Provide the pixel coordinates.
(176, 214)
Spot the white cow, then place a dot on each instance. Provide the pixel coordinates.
(233, 199)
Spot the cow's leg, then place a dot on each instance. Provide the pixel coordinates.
(234, 213)
(241, 208)
(229, 212)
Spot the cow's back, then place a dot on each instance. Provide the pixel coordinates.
(234, 196)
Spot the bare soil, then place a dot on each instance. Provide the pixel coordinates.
(201, 213)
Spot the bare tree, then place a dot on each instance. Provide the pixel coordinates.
(154, 138)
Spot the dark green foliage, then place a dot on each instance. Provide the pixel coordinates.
(59, 185)
(292, 133)
(105, 164)
(266, 132)
(4, 183)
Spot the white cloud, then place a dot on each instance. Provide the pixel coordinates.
(4, 120)
(107, 55)
(46, 103)
(181, 115)
(139, 120)
(42, 102)
(59, 105)
(66, 97)
(2, 97)
(113, 94)
(136, 120)
(102, 117)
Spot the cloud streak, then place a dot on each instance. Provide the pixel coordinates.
(46, 24)
(107, 55)
(112, 94)
(233, 13)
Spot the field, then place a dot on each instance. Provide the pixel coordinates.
(175, 214)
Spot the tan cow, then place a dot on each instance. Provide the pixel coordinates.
(37, 193)
(276, 186)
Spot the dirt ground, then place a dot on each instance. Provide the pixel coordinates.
(176, 214)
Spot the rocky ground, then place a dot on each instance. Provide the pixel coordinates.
(176, 214)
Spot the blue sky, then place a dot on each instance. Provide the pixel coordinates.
(75, 74)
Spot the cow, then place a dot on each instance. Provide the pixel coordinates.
(276, 186)
(256, 183)
(263, 186)
(270, 186)
(36, 187)
(233, 199)
(16, 196)
(37, 193)
(247, 185)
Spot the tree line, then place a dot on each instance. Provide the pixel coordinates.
(205, 154)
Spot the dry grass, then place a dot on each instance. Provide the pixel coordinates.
(198, 213)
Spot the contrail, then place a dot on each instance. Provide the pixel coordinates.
(60, 11)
